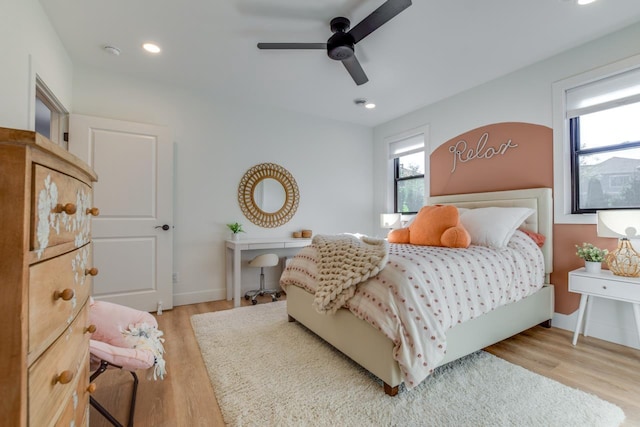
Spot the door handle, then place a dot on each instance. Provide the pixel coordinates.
(165, 227)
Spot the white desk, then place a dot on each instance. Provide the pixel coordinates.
(234, 257)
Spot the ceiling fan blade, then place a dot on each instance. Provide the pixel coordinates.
(377, 18)
(292, 45)
(355, 69)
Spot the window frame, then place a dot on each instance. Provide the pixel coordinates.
(576, 153)
(564, 166)
(422, 131)
(397, 178)
(59, 118)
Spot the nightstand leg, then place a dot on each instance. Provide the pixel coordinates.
(587, 313)
(636, 314)
(583, 305)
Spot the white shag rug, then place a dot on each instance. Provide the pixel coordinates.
(266, 371)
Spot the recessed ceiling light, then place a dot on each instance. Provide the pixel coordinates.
(361, 102)
(583, 2)
(151, 47)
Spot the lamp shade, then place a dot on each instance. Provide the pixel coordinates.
(390, 220)
(619, 223)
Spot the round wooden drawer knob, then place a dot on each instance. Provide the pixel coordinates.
(66, 294)
(69, 208)
(91, 388)
(91, 329)
(93, 211)
(91, 271)
(65, 377)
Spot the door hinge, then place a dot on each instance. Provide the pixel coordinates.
(65, 136)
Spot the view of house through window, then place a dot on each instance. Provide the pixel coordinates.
(605, 145)
(409, 168)
(608, 158)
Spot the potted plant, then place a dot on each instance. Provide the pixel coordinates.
(236, 229)
(592, 256)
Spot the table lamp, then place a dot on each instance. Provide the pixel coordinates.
(390, 220)
(625, 225)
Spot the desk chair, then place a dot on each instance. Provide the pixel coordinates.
(262, 261)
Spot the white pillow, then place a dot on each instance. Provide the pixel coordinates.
(493, 227)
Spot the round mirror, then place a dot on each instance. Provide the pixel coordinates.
(268, 195)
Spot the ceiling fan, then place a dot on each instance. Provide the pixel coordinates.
(341, 44)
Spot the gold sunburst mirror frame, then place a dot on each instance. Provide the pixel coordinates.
(247, 195)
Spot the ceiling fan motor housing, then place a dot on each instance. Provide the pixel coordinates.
(340, 44)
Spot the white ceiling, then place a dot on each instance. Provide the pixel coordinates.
(432, 50)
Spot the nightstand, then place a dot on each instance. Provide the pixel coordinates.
(604, 284)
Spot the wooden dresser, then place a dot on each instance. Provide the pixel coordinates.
(45, 282)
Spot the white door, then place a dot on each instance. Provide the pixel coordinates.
(133, 235)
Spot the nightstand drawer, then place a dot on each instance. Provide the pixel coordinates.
(603, 287)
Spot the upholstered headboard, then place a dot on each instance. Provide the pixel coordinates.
(538, 199)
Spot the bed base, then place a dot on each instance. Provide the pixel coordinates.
(368, 347)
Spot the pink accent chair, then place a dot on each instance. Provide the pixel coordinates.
(127, 339)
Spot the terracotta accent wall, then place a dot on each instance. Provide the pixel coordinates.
(565, 237)
(486, 163)
(511, 156)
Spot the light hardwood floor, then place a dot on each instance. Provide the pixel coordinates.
(185, 397)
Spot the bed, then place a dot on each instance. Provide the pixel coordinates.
(374, 351)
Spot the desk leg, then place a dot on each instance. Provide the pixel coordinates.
(583, 305)
(229, 272)
(636, 314)
(237, 281)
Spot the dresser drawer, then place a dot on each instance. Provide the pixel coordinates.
(61, 206)
(58, 289)
(67, 356)
(603, 287)
(76, 408)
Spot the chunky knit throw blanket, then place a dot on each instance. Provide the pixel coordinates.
(345, 261)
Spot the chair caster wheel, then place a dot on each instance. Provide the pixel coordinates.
(254, 302)
(274, 299)
(246, 297)
(278, 294)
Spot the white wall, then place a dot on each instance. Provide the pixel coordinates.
(216, 142)
(29, 45)
(522, 96)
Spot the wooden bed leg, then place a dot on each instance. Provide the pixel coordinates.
(291, 319)
(390, 391)
(546, 324)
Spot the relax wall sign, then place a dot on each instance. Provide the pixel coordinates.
(463, 152)
(493, 157)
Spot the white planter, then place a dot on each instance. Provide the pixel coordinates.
(592, 266)
(235, 237)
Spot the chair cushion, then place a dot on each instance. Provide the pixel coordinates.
(130, 359)
(111, 319)
(126, 337)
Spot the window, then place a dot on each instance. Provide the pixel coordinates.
(604, 137)
(50, 114)
(408, 173)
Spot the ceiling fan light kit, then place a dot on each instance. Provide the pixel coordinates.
(341, 44)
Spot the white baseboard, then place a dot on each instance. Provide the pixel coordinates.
(217, 294)
(611, 321)
(200, 296)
